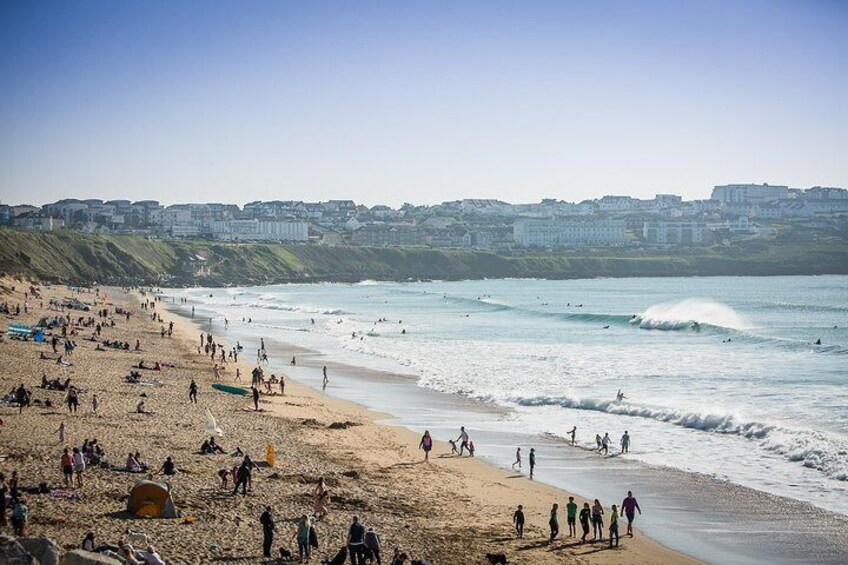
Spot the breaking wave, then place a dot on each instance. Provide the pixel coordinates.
(817, 450)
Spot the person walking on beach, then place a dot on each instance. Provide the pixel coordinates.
(326, 380)
(426, 444)
(192, 392)
(573, 434)
(597, 520)
(585, 519)
(304, 526)
(517, 459)
(554, 522)
(463, 437)
(282, 385)
(629, 506)
(61, 431)
(20, 517)
(571, 512)
(79, 465)
(605, 442)
(255, 398)
(518, 521)
(267, 521)
(67, 463)
(625, 442)
(216, 372)
(72, 399)
(356, 542)
(598, 441)
(242, 478)
(532, 460)
(613, 527)
(373, 546)
(95, 404)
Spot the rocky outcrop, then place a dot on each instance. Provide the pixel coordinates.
(80, 557)
(45, 550)
(13, 553)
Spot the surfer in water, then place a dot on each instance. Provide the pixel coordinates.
(326, 380)
(573, 434)
(619, 396)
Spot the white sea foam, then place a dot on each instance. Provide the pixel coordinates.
(686, 313)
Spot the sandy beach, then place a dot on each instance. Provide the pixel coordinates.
(452, 510)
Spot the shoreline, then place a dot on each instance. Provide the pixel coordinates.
(739, 507)
(479, 470)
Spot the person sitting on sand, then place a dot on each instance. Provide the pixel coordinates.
(129, 555)
(88, 543)
(168, 467)
(133, 465)
(215, 447)
(140, 408)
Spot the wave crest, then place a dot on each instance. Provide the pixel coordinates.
(817, 450)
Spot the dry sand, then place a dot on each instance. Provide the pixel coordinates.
(450, 511)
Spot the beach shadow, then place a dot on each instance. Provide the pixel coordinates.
(407, 464)
(124, 515)
(536, 545)
(515, 477)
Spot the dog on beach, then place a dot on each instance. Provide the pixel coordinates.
(453, 446)
(496, 558)
(285, 553)
(136, 538)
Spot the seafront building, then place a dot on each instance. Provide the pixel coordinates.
(749, 193)
(677, 233)
(564, 233)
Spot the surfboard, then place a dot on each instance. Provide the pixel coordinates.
(230, 389)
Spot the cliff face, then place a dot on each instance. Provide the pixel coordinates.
(72, 257)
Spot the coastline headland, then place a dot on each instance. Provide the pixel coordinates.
(82, 259)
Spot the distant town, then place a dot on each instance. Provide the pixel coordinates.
(733, 212)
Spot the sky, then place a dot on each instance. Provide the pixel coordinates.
(422, 102)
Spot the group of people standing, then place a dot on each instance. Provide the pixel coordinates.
(591, 518)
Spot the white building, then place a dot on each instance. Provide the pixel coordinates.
(558, 233)
(259, 230)
(677, 233)
(749, 193)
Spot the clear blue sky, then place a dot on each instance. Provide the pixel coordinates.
(386, 102)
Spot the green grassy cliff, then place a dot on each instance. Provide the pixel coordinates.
(73, 257)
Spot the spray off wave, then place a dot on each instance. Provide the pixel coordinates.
(691, 313)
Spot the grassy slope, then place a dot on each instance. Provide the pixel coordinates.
(79, 258)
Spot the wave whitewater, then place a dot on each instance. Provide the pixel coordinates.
(817, 450)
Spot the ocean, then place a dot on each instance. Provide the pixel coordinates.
(722, 377)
